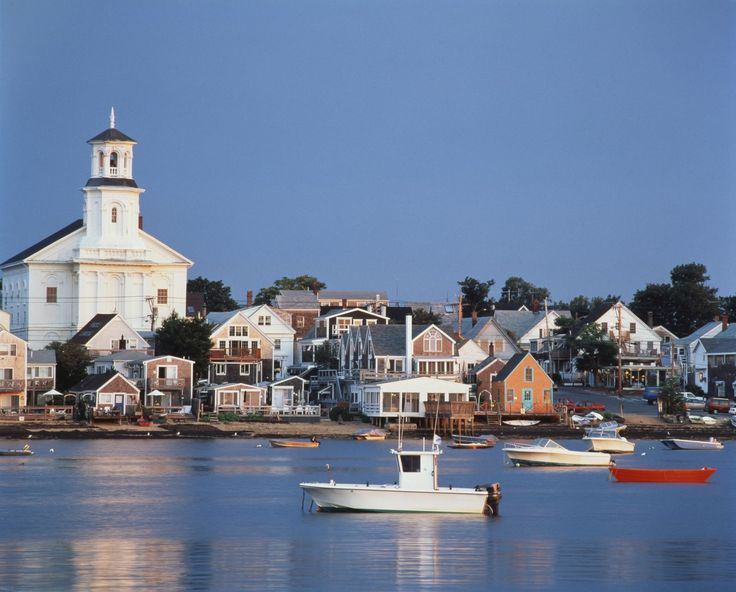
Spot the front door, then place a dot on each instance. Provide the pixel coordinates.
(527, 400)
(119, 402)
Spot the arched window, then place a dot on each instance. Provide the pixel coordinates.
(113, 163)
(100, 162)
(114, 216)
(126, 162)
(432, 342)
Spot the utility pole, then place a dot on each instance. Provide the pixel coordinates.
(154, 311)
(620, 369)
(549, 350)
(460, 316)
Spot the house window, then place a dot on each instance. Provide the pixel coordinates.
(410, 403)
(432, 342)
(264, 320)
(113, 163)
(51, 295)
(299, 322)
(510, 396)
(390, 402)
(220, 369)
(114, 216)
(342, 326)
(7, 349)
(276, 344)
(6, 373)
(604, 326)
(238, 331)
(244, 369)
(162, 296)
(632, 328)
(528, 374)
(498, 345)
(454, 397)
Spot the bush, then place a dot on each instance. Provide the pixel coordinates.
(227, 416)
(341, 412)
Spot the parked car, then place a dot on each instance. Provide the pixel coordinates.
(692, 401)
(732, 409)
(717, 405)
(651, 394)
(588, 406)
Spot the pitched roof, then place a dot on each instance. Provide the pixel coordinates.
(111, 134)
(93, 382)
(111, 182)
(128, 355)
(390, 340)
(352, 295)
(297, 299)
(698, 333)
(41, 356)
(518, 322)
(43, 243)
(718, 345)
(92, 328)
(728, 333)
(487, 362)
(511, 365)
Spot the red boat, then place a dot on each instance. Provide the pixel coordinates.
(662, 475)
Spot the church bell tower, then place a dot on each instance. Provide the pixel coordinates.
(111, 195)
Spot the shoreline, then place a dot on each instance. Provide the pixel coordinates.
(327, 429)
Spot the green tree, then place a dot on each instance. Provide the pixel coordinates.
(421, 316)
(475, 295)
(217, 296)
(655, 299)
(185, 338)
(672, 400)
(301, 282)
(728, 306)
(518, 292)
(593, 350)
(579, 307)
(72, 360)
(694, 302)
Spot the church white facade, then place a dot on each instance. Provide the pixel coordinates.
(102, 263)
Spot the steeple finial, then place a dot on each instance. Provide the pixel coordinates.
(112, 117)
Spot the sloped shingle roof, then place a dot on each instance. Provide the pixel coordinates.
(43, 243)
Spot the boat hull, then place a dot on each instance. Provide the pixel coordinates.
(661, 475)
(16, 453)
(470, 445)
(676, 444)
(390, 498)
(569, 458)
(614, 445)
(293, 444)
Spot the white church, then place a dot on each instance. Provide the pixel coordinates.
(101, 263)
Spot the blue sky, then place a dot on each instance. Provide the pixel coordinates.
(587, 146)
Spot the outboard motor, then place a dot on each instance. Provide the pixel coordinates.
(493, 499)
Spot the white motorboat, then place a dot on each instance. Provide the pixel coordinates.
(416, 491)
(607, 440)
(677, 444)
(545, 452)
(612, 425)
(522, 422)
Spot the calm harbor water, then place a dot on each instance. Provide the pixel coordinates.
(227, 515)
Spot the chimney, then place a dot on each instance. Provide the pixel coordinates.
(474, 318)
(724, 322)
(409, 346)
(344, 302)
(140, 221)
(650, 318)
(249, 297)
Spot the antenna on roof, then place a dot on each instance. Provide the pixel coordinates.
(112, 117)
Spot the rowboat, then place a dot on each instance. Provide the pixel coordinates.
(488, 439)
(677, 444)
(545, 452)
(471, 445)
(417, 490)
(313, 443)
(522, 422)
(661, 475)
(25, 451)
(374, 434)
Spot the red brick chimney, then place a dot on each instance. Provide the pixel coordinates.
(724, 322)
(140, 221)
(249, 298)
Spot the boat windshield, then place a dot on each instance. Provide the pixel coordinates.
(546, 443)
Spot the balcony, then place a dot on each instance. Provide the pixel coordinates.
(9, 385)
(37, 384)
(245, 354)
(167, 384)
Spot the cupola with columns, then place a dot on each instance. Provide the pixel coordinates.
(111, 195)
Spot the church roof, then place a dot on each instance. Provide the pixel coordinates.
(42, 244)
(111, 135)
(92, 328)
(110, 182)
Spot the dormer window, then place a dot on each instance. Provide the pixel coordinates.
(113, 163)
(114, 216)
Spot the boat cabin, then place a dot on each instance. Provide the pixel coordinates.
(417, 468)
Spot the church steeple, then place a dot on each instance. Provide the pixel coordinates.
(112, 157)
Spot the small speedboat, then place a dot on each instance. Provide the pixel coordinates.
(546, 452)
(677, 444)
(602, 440)
(417, 490)
(374, 434)
(313, 443)
(661, 475)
